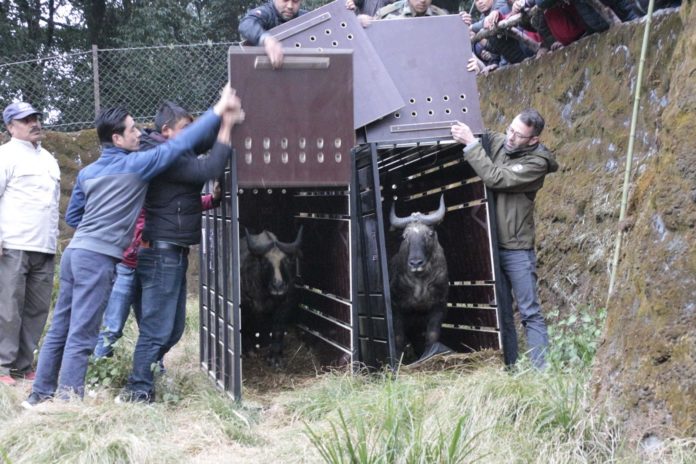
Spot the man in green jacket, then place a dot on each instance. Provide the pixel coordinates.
(513, 165)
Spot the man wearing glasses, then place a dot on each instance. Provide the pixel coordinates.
(513, 165)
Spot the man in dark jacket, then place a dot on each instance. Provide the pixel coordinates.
(172, 225)
(254, 26)
(514, 166)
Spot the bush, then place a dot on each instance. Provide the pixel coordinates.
(573, 340)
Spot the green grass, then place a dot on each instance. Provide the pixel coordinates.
(482, 413)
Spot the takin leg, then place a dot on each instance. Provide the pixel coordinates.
(278, 327)
(399, 335)
(432, 335)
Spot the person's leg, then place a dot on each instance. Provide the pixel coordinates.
(180, 317)
(160, 274)
(12, 285)
(37, 302)
(93, 278)
(117, 310)
(519, 267)
(51, 353)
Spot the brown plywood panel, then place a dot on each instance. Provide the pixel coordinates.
(427, 58)
(298, 129)
(334, 26)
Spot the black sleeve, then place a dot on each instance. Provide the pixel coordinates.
(188, 169)
(254, 24)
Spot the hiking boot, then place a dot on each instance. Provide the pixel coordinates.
(34, 400)
(7, 380)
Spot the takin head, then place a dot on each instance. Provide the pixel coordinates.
(277, 261)
(419, 236)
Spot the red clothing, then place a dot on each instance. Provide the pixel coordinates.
(130, 256)
(564, 22)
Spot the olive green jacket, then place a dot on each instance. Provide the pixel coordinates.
(514, 178)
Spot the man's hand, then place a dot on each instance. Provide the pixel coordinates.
(365, 20)
(466, 17)
(491, 20)
(228, 101)
(274, 51)
(229, 119)
(474, 65)
(462, 133)
(350, 4)
(518, 6)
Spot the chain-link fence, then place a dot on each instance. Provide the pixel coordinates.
(70, 88)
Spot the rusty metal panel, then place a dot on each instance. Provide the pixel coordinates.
(334, 26)
(298, 129)
(430, 75)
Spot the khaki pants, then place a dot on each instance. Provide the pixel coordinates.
(26, 283)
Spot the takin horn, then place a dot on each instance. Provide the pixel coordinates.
(437, 216)
(256, 243)
(427, 219)
(291, 248)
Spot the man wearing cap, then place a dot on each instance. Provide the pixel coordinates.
(29, 195)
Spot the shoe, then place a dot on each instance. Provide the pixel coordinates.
(34, 400)
(129, 396)
(7, 380)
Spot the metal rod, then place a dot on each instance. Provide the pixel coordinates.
(95, 74)
(629, 152)
(382, 251)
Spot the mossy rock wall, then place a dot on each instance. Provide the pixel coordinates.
(645, 369)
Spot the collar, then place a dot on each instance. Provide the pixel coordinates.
(521, 151)
(109, 149)
(26, 144)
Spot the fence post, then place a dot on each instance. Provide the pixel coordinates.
(95, 72)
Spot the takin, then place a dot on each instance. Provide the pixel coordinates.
(419, 283)
(268, 294)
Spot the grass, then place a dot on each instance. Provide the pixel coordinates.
(480, 413)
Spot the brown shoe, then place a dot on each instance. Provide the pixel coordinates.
(7, 380)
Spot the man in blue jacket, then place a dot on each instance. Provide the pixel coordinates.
(172, 225)
(104, 205)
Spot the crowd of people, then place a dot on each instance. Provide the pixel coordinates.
(502, 31)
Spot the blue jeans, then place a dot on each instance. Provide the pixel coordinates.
(519, 267)
(162, 275)
(85, 284)
(125, 292)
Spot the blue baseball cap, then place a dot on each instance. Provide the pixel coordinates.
(18, 110)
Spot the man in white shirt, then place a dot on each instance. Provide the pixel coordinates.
(29, 196)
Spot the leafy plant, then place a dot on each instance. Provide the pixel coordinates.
(574, 339)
